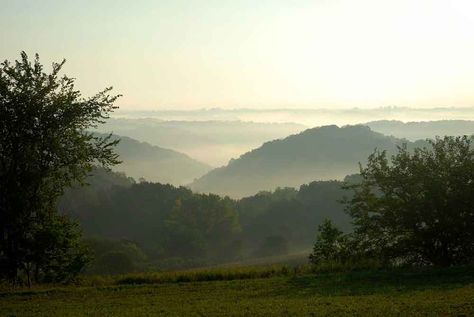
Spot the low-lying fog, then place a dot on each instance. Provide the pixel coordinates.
(214, 136)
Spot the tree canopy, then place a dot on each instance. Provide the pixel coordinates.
(418, 207)
(44, 148)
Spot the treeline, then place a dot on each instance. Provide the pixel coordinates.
(162, 226)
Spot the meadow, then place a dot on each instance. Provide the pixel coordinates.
(254, 291)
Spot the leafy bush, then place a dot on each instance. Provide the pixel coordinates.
(331, 244)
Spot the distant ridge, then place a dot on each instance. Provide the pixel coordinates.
(157, 164)
(422, 129)
(213, 142)
(323, 153)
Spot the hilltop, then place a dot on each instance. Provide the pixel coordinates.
(322, 153)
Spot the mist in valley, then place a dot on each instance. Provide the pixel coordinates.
(236, 158)
(215, 136)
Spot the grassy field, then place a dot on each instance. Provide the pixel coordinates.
(279, 292)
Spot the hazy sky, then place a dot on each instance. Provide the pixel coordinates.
(205, 53)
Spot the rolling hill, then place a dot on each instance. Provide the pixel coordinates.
(213, 142)
(422, 129)
(322, 153)
(157, 164)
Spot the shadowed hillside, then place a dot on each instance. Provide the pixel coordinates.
(175, 227)
(142, 160)
(323, 153)
(210, 141)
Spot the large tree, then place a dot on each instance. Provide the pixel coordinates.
(45, 146)
(418, 206)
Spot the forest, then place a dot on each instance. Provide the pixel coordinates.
(174, 226)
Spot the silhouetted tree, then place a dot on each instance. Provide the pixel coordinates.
(44, 147)
(419, 206)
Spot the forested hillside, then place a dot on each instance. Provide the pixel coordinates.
(211, 141)
(157, 164)
(323, 153)
(174, 226)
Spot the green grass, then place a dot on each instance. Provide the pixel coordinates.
(428, 292)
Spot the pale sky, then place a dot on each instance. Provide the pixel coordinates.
(185, 54)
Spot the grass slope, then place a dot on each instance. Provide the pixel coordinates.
(375, 293)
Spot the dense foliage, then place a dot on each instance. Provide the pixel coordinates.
(290, 216)
(176, 227)
(44, 147)
(417, 208)
(331, 244)
(166, 222)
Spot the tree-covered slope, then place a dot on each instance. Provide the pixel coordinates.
(169, 222)
(211, 141)
(322, 153)
(157, 164)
